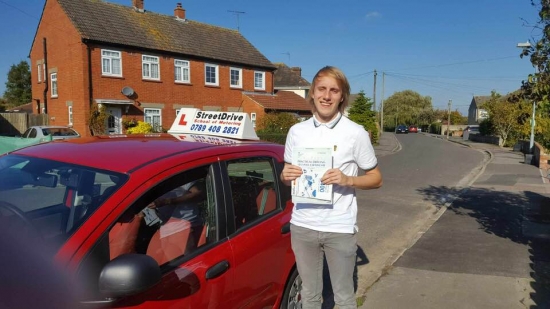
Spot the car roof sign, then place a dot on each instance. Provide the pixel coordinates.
(225, 124)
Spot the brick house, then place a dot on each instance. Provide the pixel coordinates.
(138, 64)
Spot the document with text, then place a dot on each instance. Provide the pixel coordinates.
(308, 188)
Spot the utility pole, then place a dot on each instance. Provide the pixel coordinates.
(374, 92)
(382, 104)
(449, 119)
(237, 13)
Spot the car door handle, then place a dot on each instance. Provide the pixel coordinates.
(217, 270)
(285, 229)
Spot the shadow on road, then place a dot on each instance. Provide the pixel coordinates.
(502, 214)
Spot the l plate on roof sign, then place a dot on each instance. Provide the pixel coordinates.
(227, 124)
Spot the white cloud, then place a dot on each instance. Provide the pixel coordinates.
(372, 15)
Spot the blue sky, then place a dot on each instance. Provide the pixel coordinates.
(448, 50)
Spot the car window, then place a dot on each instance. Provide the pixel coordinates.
(32, 133)
(56, 198)
(172, 220)
(253, 190)
(26, 133)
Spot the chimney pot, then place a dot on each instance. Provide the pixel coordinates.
(179, 12)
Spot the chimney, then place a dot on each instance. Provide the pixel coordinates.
(179, 12)
(297, 70)
(138, 5)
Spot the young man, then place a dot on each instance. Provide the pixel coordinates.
(330, 230)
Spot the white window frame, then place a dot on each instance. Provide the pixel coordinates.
(259, 80)
(216, 74)
(70, 110)
(182, 68)
(150, 67)
(44, 71)
(53, 81)
(149, 115)
(239, 83)
(39, 73)
(111, 63)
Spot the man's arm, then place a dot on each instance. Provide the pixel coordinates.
(371, 180)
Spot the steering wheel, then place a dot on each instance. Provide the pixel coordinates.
(16, 211)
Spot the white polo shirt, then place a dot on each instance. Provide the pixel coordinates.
(353, 150)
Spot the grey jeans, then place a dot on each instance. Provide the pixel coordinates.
(340, 250)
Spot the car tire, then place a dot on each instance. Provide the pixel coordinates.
(292, 297)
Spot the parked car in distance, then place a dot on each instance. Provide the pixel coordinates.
(57, 132)
(401, 129)
(471, 129)
(413, 129)
(197, 218)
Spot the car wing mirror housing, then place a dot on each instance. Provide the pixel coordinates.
(129, 274)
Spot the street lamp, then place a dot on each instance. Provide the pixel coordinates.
(532, 139)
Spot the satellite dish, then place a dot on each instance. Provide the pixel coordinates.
(127, 91)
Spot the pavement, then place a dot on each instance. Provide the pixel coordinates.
(487, 247)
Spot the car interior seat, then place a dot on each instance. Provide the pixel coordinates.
(123, 235)
(170, 240)
(266, 200)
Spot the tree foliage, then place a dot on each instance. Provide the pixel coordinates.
(457, 118)
(361, 113)
(276, 123)
(18, 85)
(407, 107)
(97, 122)
(503, 116)
(536, 87)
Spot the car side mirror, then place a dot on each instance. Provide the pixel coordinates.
(129, 274)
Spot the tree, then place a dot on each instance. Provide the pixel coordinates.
(361, 113)
(537, 85)
(503, 116)
(3, 105)
(18, 85)
(406, 107)
(276, 123)
(457, 118)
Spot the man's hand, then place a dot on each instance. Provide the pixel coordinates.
(290, 172)
(335, 176)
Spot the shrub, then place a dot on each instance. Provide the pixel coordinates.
(140, 128)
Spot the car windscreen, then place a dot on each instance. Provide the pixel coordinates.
(52, 199)
(59, 132)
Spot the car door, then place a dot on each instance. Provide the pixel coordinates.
(259, 233)
(197, 277)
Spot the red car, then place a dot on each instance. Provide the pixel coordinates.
(413, 129)
(112, 212)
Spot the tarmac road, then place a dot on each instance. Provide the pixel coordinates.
(488, 248)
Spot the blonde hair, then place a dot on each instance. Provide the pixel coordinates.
(340, 78)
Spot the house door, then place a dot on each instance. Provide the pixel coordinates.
(114, 122)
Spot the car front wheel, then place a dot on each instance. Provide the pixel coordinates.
(292, 297)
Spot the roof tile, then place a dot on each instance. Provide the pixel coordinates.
(110, 23)
(281, 100)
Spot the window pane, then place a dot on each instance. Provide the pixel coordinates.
(253, 190)
(106, 66)
(146, 72)
(116, 67)
(154, 71)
